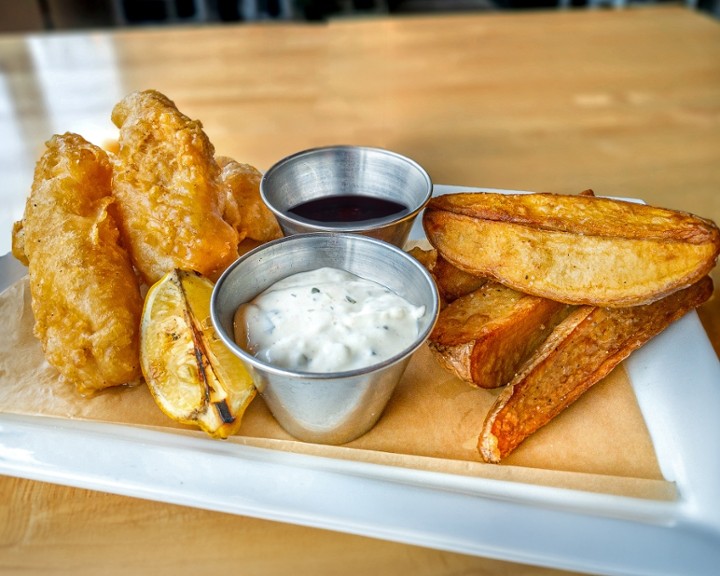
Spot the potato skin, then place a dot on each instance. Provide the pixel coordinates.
(577, 283)
(580, 352)
(580, 250)
(483, 337)
(85, 295)
(582, 214)
(450, 280)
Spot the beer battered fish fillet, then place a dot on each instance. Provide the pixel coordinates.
(244, 209)
(168, 188)
(85, 295)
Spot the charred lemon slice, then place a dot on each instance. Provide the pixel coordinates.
(191, 374)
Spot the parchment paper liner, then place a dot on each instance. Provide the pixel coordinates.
(600, 444)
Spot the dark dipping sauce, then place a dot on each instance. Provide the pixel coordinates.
(346, 208)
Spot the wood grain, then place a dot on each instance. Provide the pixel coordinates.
(48, 529)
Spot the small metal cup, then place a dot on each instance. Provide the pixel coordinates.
(336, 407)
(347, 170)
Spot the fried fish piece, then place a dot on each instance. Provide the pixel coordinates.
(484, 337)
(244, 209)
(576, 249)
(167, 184)
(85, 295)
(582, 350)
(18, 242)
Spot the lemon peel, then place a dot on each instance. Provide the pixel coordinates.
(191, 374)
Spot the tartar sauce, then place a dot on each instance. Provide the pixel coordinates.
(326, 320)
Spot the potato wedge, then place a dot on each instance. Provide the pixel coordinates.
(454, 282)
(485, 336)
(582, 350)
(575, 249)
(451, 281)
(427, 258)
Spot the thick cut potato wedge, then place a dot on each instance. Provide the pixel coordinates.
(454, 282)
(450, 280)
(582, 350)
(575, 249)
(485, 336)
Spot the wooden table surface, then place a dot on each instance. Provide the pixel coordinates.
(624, 102)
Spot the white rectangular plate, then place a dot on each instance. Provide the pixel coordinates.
(676, 377)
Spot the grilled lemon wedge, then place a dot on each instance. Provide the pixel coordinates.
(191, 374)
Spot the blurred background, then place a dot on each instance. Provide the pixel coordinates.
(38, 15)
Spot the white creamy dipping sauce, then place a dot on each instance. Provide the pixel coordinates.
(326, 320)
